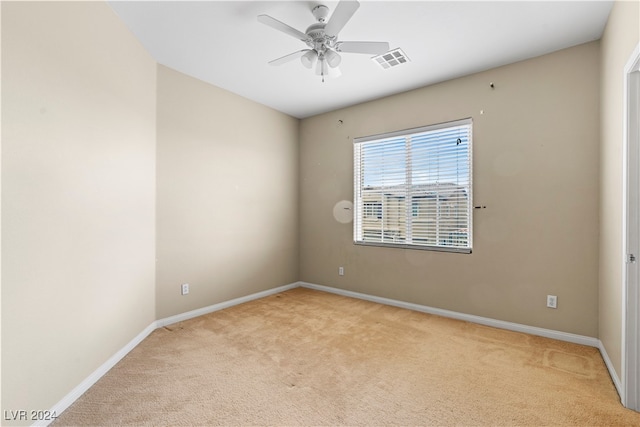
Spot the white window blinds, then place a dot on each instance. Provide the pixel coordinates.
(413, 188)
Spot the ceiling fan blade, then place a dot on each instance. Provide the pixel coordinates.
(344, 11)
(371, 48)
(281, 26)
(289, 58)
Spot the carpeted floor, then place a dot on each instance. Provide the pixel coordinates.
(304, 357)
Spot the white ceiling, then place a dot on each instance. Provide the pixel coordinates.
(222, 43)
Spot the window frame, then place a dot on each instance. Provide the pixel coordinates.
(412, 213)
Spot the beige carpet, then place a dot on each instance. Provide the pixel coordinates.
(304, 357)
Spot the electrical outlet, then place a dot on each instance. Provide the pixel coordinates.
(552, 301)
(184, 290)
(340, 271)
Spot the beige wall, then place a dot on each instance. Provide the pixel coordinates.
(245, 195)
(621, 36)
(227, 204)
(80, 163)
(78, 167)
(535, 168)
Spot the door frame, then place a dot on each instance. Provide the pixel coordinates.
(631, 235)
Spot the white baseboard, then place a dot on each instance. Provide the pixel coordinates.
(221, 306)
(85, 385)
(612, 372)
(105, 367)
(548, 333)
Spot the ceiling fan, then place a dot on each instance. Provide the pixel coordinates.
(322, 39)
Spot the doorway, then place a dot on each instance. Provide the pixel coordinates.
(631, 285)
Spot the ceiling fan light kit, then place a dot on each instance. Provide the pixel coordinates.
(332, 58)
(322, 39)
(309, 58)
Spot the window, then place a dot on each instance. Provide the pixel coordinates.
(413, 188)
(373, 210)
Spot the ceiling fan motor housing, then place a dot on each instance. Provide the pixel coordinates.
(317, 38)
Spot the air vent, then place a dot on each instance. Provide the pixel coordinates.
(391, 59)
